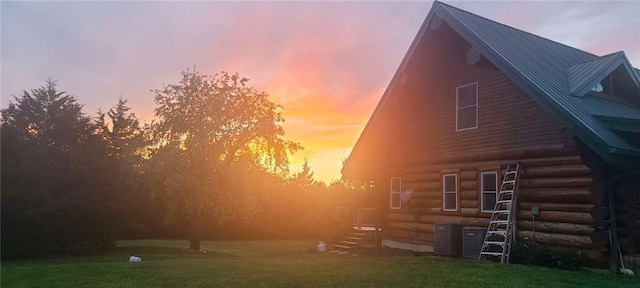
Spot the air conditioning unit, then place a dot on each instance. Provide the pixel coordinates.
(472, 239)
(447, 239)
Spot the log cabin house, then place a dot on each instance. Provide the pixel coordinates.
(472, 95)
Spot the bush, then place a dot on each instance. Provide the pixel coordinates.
(538, 255)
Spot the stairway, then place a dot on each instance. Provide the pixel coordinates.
(357, 238)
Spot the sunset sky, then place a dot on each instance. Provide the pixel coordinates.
(327, 63)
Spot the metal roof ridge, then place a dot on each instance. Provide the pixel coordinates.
(597, 58)
(511, 27)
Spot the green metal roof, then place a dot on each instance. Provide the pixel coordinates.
(552, 74)
(584, 75)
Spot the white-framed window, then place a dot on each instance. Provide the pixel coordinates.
(450, 192)
(467, 107)
(488, 191)
(394, 193)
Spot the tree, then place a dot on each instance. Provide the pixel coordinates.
(123, 136)
(46, 117)
(213, 135)
(304, 178)
(121, 130)
(55, 195)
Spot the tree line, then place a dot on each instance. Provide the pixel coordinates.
(213, 164)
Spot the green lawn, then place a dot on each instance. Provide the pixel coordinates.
(283, 264)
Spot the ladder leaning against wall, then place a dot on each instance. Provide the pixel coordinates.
(501, 230)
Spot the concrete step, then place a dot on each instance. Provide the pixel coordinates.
(345, 242)
(354, 238)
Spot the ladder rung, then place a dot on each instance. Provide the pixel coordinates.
(510, 191)
(504, 201)
(495, 238)
(505, 182)
(500, 222)
(494, 243)
(491, 253)
(502, 211)
(501, 232)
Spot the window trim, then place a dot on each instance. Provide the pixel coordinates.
(391, 194)
(458, 108)
(482, 191)
(444, 208)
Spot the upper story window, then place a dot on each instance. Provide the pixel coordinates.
(467, 107)
(394, 193)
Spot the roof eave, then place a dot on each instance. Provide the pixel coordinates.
(603, 73)
(622, 60)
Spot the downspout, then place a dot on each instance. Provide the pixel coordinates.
(614, 256)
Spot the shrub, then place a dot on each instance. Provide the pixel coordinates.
(552, 257)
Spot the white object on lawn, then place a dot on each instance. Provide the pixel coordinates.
(322, 247)
(626, 271)
(135, 259)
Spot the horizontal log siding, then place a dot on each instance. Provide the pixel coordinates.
(507, 117)
(558, 184)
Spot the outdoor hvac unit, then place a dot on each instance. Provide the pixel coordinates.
(447, 239)
(472, 239)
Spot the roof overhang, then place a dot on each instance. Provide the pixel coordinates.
(585, 75)
(620, 124)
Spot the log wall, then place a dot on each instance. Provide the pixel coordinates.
(413, 135)
(560, 185)
(628, 216)
(507, 117)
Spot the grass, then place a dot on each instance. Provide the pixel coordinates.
(283, 264)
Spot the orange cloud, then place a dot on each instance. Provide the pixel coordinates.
(325, 120)
(319, 72)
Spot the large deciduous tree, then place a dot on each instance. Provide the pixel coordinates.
(216, 137)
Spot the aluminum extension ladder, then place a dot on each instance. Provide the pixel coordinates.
(501, 230)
